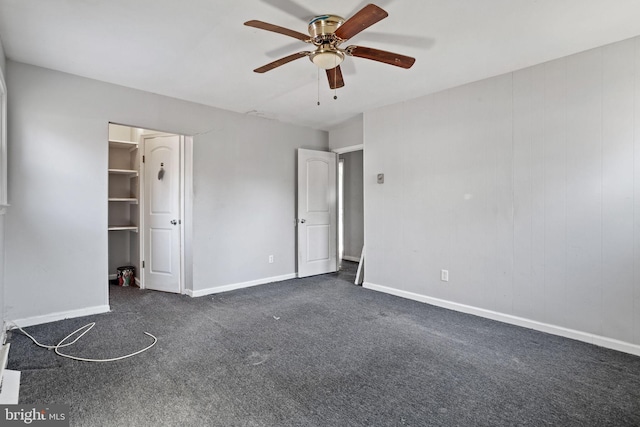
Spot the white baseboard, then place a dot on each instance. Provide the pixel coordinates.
(513, 320)
(232, 287)
(351, 258)
(54, 317)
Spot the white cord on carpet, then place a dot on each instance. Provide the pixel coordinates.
(82, 359)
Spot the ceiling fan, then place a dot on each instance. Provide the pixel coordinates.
(327, 33)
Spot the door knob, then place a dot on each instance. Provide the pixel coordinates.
(302, 221)
(174, 222)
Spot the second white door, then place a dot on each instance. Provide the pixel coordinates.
(162, 222)
(317, 252)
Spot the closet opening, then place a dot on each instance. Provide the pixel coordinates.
(149, 208)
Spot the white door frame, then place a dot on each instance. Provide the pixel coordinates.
(340, 208)
(349, 149)
(185, 176)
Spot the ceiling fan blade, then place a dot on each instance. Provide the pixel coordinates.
(390, 58)
(335, 78)
(277, 29)
(363, 3)
(281, 61)
(364, 18)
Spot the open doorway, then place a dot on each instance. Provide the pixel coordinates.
(350, 208)
(149, 206)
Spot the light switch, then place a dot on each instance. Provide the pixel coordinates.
(380, 178)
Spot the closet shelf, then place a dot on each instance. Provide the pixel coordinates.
(124, 199)
(117, 143)
(131, 172)
(133, 228)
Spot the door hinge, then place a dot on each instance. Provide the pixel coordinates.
(142, 264)
(142, 159)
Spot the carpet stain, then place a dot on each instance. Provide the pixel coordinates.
(256, 358)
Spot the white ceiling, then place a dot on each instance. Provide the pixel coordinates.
(199, 50)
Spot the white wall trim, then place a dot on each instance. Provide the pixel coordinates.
(187, 216)
(513, 320)
(349, 149)
(10, 387)
(232, 287)
(61, 315)
(4, 198)
(351, 258)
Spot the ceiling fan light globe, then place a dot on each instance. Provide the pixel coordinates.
(327, 59)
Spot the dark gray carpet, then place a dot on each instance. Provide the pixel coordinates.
(321, 352)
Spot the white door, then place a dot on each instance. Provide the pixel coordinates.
(316, 212)
(162, 222)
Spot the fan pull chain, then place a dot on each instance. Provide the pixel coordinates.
(335, 78)
(318, 86)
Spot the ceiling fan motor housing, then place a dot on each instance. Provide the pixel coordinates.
(324, 25)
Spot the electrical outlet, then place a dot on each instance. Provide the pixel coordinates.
(270, 259)
(444, 275)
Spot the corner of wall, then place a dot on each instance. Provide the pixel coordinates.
(3, 207)
(3, 65)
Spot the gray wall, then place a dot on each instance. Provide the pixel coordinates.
(244, 200)
(524, 186)
(353, 204)
(56, 229)
(347, 134)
